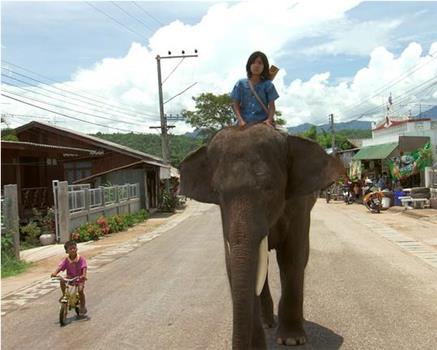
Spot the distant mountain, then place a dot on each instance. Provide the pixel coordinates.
(430, 113)
(352, 125)
(193, 134)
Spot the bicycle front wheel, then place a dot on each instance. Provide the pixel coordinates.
(63, 314)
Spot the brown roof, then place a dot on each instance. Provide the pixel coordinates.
(18, 145)
(92, 140)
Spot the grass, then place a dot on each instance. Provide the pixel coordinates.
(12, 267)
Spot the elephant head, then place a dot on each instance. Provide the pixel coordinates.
(252, 174)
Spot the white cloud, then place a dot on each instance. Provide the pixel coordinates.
(355, 38)
(404, 76)
(225, 37)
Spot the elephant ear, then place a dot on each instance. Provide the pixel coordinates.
(310, 169)
(196, 176)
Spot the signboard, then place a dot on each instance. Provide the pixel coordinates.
(410, 163)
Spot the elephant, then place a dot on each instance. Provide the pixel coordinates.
(266, 183)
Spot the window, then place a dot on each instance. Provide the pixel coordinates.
(77, 170)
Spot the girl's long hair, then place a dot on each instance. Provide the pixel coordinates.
(265, 73)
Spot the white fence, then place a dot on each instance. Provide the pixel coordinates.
(87, 204)
(83, 198)
(76, 205)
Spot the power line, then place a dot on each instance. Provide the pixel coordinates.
(66, 91)
(189, 87)
(128, 109)
(65, 115)
(131, 16)
(71, 98)
(115, 20)
(168, 76)
(392, 83)
(62, 107)
(147, 13)
(432, 81)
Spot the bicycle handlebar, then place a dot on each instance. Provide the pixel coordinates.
(67, 280)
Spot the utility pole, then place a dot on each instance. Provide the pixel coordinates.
(164, 140)
(331, 122)
(164, 127)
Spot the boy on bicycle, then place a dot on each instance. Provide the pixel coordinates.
(76, 266)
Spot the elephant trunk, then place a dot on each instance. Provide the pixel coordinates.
(245, 232)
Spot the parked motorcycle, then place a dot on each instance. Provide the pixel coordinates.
(348, 197)
(372, 198)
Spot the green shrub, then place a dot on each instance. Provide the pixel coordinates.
(31, 233)
(113, 225)
(7, 246)
(10, 266)
(168, 201)
(104, 225)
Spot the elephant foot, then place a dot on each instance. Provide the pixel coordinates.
(296, 336)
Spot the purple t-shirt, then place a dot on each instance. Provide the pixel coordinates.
(73, 268)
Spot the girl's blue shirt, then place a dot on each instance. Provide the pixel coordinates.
(251, 110)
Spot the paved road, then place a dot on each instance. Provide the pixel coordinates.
(363, 291)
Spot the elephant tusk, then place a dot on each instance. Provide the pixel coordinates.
(263, 265)
(229, 247)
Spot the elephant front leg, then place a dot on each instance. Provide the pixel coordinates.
(258, 336)
(292, 261)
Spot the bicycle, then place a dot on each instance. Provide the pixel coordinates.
(70, 299)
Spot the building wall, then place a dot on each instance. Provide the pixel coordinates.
(121, 177)
(419, 128)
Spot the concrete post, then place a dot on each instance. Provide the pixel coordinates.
(11, 216)
(102, 192)
(63, 212)
(117, 198)
(146, 192)
(87, 203)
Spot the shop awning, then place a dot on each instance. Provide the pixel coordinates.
(376, 152)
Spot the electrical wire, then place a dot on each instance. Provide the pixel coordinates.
(65, 115)
(391, 83)
(69, 97)
(72, 98)
(130, 110)
(115, 20)
(63, 107)
(168, 76)
(131, 16)
(71, 103)
(147, 13)
(189, 87)
(432, 81)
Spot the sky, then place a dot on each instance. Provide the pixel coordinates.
(91, 66)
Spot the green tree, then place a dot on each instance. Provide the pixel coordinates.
(311, 133)
(211, 112)
(214, 112)
(9, 135)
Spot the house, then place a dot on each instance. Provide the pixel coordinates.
(47, 152)
(392, 139)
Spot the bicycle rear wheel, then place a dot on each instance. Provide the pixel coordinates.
(63, 314)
